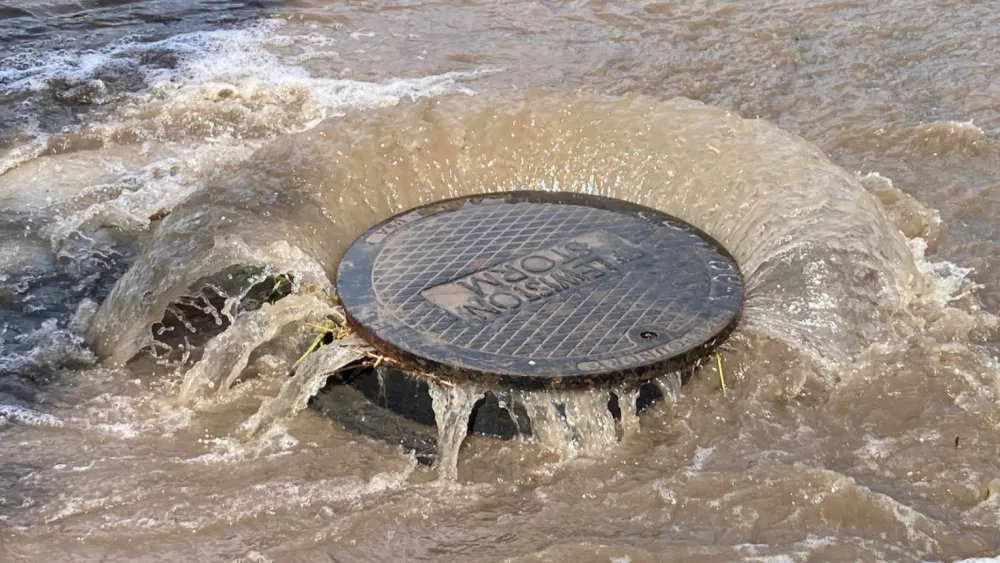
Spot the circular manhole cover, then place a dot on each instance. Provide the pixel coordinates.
(540, 289)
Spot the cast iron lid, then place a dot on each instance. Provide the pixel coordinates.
(540, 289)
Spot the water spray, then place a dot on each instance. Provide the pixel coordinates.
(542, 314)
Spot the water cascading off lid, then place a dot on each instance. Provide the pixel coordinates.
(525, 291)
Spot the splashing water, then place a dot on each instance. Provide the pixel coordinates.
(272, 145)
(572, 423)
(669, 385)
(627, 404)
(452, 407)
(310, 376)
(227, 354)
(825, 269)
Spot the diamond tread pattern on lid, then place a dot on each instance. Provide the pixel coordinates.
(540, 289)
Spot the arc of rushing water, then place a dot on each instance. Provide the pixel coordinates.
(308, 379)
(594, 426)
(452, 409)
(627, 398)
(572, 423)
(227, 354)
(548, 423)
(669, 385)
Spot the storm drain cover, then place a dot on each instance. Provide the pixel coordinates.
(540, 289)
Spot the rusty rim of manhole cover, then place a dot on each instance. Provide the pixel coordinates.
(540, 290)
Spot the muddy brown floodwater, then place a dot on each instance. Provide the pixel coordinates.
(164, 163)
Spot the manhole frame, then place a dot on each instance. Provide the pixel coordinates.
(450, 373)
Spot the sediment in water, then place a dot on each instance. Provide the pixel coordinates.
(825, 270)
(827, 274)
(227, 355)
(452, 407)
(309, 377)
(573, 422)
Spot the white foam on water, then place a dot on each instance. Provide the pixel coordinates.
(23, 153)
(121, 430)
(813, 542)
(216, 59)
(954, 127)
(875, 449)
(947, 135)
(144, 414)
(48, 346)
(947, 278)
(239, 61)
(665, 492)
(200, 56)
(254, 557)
(701, 455)
(227, 84)
(274, 441)
(147, 191)
(28, 417)
(263, 499)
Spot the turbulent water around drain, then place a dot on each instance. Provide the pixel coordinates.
(227, 355)
(572, 423)
(628, 400)
(172, 144)
(452, 409)
(309, 377)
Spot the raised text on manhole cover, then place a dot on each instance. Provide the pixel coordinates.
(504, 288)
